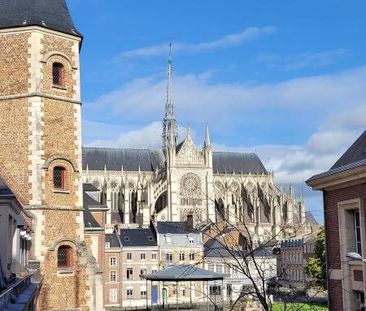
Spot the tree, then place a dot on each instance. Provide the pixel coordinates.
(316, 266)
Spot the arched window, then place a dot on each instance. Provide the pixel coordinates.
(64, 256)
(59, 177)
(58, 73)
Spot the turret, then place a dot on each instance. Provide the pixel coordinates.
(207, 148)
(40, 161)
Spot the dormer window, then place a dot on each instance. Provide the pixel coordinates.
(168, 238)
(59, 177)
(58, 73)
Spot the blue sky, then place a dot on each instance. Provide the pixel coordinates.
(285, 79)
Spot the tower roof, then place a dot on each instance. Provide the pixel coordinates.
(51, 14)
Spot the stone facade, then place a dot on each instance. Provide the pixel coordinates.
(179, 191)
(40, 123)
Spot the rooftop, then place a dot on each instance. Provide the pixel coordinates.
(184, 273)
(353, 158)
(138, 237)
(51, 14)
(115, 159)
(175, 227)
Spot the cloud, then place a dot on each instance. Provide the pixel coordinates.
(291, 163)
(148, 136)
(145, 137)
(296, 163)
(301, 61)
(330, 108)
(196, 97)
(341, 122)
(227, 41)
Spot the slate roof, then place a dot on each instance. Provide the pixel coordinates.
(89, 220)
(239, 163)
(112, 238)
(213, 248)
(310, 219)
(353, 158)
(184, 273)
(138, 237)
(114, 159)
(355, 153)
(51, 14)
(175, 227)
(90, 203)
(292, 243)
(89, 187)
(149, 160)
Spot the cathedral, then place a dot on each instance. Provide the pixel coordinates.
(185, 182)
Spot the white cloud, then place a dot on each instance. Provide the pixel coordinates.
(337, 102)
(303, 60)
(291, 163)
(227, 41)
(196, 97)
(145, 137)
(148, 136)
(296, 163)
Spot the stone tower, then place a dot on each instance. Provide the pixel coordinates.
(40, 145)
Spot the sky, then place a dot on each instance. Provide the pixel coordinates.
(285, 79)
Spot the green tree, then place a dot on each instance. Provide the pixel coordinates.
(315, 268)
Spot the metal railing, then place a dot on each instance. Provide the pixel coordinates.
(10, 294)
(171, 307)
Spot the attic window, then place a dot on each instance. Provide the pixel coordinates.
(58, 73)
(168, 238)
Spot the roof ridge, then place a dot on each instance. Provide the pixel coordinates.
(115, 148)
(236, 152)
(340, 169)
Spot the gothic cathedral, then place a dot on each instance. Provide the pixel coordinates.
(182, 182)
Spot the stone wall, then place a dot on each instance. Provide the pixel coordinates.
(40, 124)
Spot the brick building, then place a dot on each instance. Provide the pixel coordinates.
(40, 148)
(344, 193)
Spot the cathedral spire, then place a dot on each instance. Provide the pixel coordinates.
(207, 137)
(170, 128)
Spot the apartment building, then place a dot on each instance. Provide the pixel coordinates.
(130, 253)
(179, 243)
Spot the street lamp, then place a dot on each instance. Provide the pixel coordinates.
(355, 256)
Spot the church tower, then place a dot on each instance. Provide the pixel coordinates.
(188, 170)
(40, 146)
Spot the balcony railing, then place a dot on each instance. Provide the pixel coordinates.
(12, 294)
